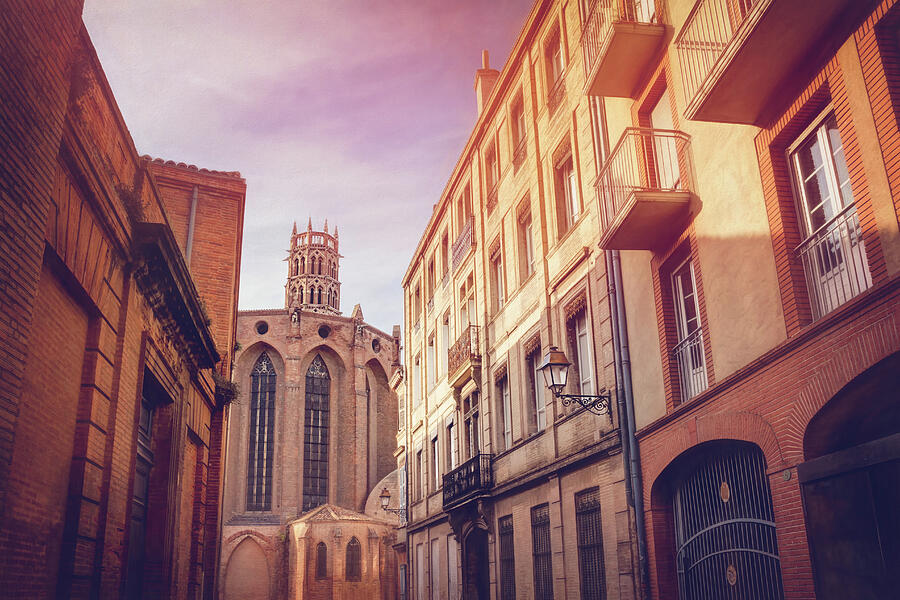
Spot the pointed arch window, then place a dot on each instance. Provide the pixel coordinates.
(302, 265)
(321, 561)
(315, 435)
(262, 428)
(354, 560)
(319, 298)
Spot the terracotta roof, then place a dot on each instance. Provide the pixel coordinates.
(181, 165)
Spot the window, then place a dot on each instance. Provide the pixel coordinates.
(491, 172)
(445, 342)
(470, 424)
(540, 544)
(354, 560)
(417, 305)
(432, 362)
(507, 559)
(505, 412)
(452, 452)
(435, 570)
(590, 544)
(689, 349)
(452, 567)
(526, 246)
(315, 435)
(537, 410)
(435, 465)
(321, 561)
(580, 347)
(420, 480)
(553, 59)
(417, 382)
(518, 122)
(431, 277)
(463, 209)
(445, 254)
(568, 203)
(420, 571)
(497, 279)
(262, 434)
(466, 304)
(402, 584)
(833, 254)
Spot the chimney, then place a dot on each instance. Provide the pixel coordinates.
(485, 78)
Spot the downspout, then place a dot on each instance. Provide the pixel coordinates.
(191, 222)
(625, 403)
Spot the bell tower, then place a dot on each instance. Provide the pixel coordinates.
(313, 271)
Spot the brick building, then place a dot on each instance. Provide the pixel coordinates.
(311, 443)
(512, 492)
(118, 288)
(751, 199)
(731, 168)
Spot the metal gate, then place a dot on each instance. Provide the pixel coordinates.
(724, 527)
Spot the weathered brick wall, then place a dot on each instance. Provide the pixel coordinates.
(35, 45)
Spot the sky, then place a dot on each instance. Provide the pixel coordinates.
(354, 111)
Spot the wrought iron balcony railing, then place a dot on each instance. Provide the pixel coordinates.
(691, 365)
(835, 263)
(465, 241)
(465, 350)
(470, 479)
(644, 186)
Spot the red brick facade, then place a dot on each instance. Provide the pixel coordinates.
(99, 313)
(773, 401)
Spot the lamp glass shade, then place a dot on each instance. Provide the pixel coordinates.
(555, 369)
(385, 498)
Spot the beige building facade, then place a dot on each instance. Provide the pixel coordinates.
(512, 493)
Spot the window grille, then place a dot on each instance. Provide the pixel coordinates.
(541, 551)
(354, 560)
(507, 559)
(590, 544)
(315, 438)
(321, 561)
(262, 430)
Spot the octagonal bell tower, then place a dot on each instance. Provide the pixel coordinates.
(313, 271)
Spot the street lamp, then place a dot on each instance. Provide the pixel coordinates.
(556, 372)
(385, 497)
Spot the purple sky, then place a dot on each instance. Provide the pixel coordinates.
(354, 111)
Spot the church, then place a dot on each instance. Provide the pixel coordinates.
(310, 443)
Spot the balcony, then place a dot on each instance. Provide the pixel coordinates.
(472, 479)
(619, 41)
(738, 55)
(465, 241)
(464, 360)
(835, 263)
(645, 189)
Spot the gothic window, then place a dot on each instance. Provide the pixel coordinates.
(315, 438)
(321, 561)
(302, 265)
(320, 265)
(262, 429)
(301, 293)
(319, 298)
(354, 560)
(311, 291)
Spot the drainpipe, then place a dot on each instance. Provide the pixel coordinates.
(191, 221)
(625, 404)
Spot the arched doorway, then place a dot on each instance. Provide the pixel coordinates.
(724, 524)
(477, 578)
(247, 573)
(851, 487)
